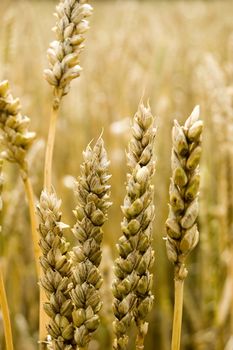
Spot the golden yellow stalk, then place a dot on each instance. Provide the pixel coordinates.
(50, 147)
(32, 212)
(5, 314)
(35, 236)
(178, 310)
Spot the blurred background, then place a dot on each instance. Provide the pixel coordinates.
(176, 54)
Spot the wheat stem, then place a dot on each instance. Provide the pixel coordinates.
(177, 318)
(47, 185)
(50, 147)
(35, 237)
(5, 314)
(231, 274)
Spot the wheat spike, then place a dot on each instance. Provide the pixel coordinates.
(57, 270)
(181, 226)
(91, 213)
(64, 53)
(132, 286)
(182, 232)
(14, 128)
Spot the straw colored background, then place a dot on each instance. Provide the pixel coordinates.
(177, 55)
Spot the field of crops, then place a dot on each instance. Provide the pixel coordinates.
(173, 56)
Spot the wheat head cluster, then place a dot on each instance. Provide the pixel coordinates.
(88, 287)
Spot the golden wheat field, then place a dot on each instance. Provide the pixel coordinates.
(111, 85)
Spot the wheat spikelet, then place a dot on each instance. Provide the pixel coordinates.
(91, 213)
(63, 54)
(56, 268)
(132, 286)
(182, 232)
(14, 128)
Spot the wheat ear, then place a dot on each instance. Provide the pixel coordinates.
(182, 231)
(91, 213)
(132, 286)
(56, 268)
(16, 140)
(3, 298)
(63, 57)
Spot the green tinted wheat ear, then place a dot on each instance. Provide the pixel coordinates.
(64, 53)
(56, 267)
(132, 287)
(91, 213)
(182, 231)
(16, 140)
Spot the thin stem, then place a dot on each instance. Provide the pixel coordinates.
(231, 274)
(43, 320)
(47, 185)
(35, 237)
(32, 211)
(177, 319)
(5, 314)
(50, 147)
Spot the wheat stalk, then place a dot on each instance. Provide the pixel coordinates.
(17, 140)
(91, 213)
(3, 297)
(57, 269)
(132, 286)
(5, 313)
(182, 231)
(63, 56)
